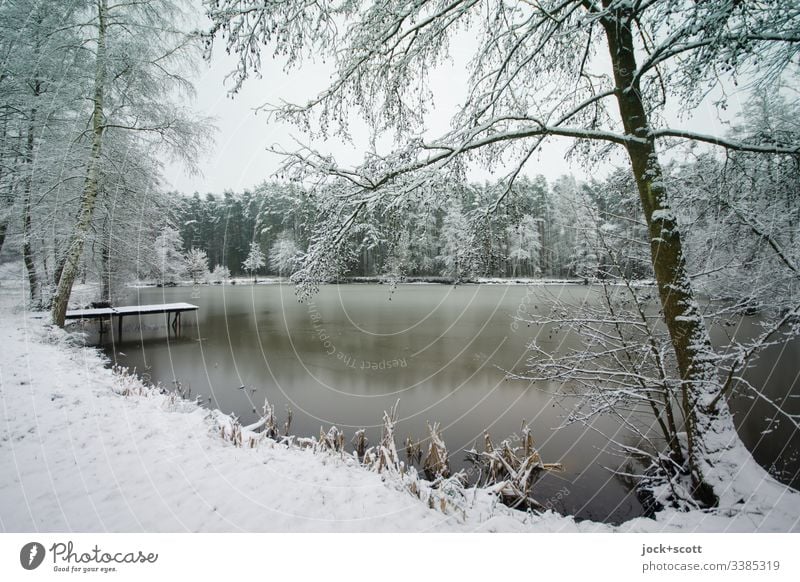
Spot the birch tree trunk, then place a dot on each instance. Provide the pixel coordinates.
(78, 240)
(105, 264)
(27, 249)
(688, 333)
(5, 198)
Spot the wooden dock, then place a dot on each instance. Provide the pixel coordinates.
(102, 313)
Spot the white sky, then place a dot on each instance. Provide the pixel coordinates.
(239, 159)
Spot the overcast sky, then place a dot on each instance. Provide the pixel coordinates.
(239, 159)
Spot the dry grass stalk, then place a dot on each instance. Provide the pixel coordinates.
(236, 435)
(128, 383)
(288, 424)
(512, 471)
(270, 421)
(384, 457)
(230, 430)
(304, 442)
(413, 451)
(360, 443)
(267, 424)
(332, 441)
(437, 463)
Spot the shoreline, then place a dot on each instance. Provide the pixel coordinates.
(377, 280)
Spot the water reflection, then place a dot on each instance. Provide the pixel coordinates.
(350, 354)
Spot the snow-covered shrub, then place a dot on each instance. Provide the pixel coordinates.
(220, 274)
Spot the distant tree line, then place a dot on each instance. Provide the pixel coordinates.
(540, 230)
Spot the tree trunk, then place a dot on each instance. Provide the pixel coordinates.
(542, 252)
(105, 265)
(7, 199)
(27, 248)
(59, 268)
(74, 250)
(3, 230)
(689, 337)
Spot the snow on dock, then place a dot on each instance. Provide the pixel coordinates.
(96, 312)
(120, 312)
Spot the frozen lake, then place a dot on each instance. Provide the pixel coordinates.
(353, 351)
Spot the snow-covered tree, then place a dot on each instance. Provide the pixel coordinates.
(585, 259)
(746, 242)
(423, 242)
(255, 260)
(284, 256)
(621, 225)
(40, 70)
(654, 53)
(399, 261)
(197, 265)
(128, 218)
(565, 216)
(524, 246)
(139, 58)
(170, 263)
(455, 254)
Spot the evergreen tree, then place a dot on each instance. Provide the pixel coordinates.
(197, 265)
(169, 264)
(255, 260)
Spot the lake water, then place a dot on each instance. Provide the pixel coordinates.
(442, 351)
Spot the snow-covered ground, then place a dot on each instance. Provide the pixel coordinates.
(85, 449)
